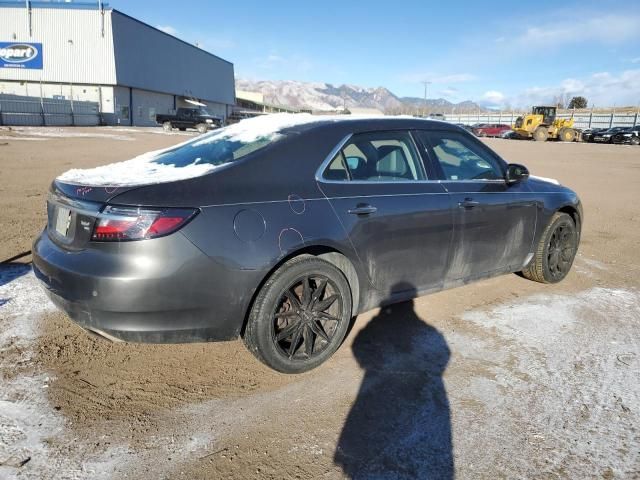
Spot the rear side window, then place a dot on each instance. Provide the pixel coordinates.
(460, 159)
(376, 157)
(213, 151)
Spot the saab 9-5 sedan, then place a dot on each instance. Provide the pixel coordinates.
(281, 229)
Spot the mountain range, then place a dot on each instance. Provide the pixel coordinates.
(325, 96)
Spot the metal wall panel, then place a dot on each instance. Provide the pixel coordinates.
(147, 104)
(74, 49)
(149, 59)
(581, 120)
(21, 110)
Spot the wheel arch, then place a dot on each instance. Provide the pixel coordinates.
(326, 253)
(574, 213)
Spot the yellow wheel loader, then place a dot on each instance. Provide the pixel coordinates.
(541, 124)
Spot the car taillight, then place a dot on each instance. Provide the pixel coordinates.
(117, 224)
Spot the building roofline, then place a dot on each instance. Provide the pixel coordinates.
(95, 6)
(171, 36)
(53, 4)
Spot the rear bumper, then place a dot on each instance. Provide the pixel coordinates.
(163, 290)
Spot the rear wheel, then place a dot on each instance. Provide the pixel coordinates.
(566, 135)
(540, 134)
(201, 127)
(555, 252)
(300, 316)
(166, 126)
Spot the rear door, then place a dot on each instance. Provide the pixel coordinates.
(494, 222)
(399, 222)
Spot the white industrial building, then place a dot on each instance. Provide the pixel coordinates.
(90, 52)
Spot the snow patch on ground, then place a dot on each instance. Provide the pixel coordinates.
(6, 137)
(51, 132)
(27, 420)
(568, 386)
(156, 130)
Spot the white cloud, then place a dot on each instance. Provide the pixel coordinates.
(603, 89)
(494, 97)
(417, 77)
(168, 29)
(607, 29)
(296, 63)
(635, 60)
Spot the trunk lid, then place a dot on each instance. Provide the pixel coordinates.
(72, 211)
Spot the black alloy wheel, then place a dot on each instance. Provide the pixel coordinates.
(300, 315)
(555, 251)
(307, 317)
(561, 250)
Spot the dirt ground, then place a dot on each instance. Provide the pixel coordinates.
(504, 378)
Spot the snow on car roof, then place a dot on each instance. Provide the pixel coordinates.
(146, 169)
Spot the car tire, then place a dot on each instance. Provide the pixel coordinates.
(167, 127)
(555, 251)
(540, 134)
(300, 316)
(201, 127)
(635, 141)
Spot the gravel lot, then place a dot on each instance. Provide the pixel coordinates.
(504, 378)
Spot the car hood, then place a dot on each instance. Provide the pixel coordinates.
(544, 184)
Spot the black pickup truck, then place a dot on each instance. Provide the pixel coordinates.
(184, 118)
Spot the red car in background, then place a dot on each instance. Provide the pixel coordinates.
(490, 129)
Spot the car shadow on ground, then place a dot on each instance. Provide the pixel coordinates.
(399, 425)
(10, 271)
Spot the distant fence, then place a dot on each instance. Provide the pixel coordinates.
(581, 119)
(36, 111)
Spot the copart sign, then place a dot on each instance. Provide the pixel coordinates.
(20, 55)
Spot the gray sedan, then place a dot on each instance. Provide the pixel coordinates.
(281, 229)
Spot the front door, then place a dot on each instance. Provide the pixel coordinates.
(494, 221)
(399, 223)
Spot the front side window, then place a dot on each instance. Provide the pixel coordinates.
(460, 159)
(376, 157)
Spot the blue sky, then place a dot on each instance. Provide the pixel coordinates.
(498, 53)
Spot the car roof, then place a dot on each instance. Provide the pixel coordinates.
(355, 124)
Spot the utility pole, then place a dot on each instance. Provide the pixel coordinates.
(426, 84)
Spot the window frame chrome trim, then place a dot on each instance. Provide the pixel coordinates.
(329, 158)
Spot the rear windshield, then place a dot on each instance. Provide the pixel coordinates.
(216, 150)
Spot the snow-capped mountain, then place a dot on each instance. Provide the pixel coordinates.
(325, 96)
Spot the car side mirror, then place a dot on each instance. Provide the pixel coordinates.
(516, 173)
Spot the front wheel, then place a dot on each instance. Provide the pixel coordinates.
(300, 315)
(566, 135)
(201, 127)
(540, 134)
(555, 251)
(635, 141)
(166, 126)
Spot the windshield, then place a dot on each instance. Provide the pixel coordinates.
(204, 112)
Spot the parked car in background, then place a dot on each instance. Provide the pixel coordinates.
(605, 136)
(280, 229)
(587, 134)
(510, 134)
(198, 118)
(468, 128)
(490, 130)
(629, 135)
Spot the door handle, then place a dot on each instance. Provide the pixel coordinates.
(363, 209)
(468, 203)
